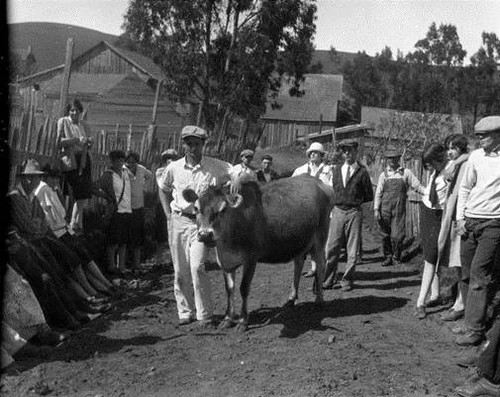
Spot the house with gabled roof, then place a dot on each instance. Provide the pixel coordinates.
(116, 86)
(297, 117)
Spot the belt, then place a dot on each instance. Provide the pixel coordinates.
(186, 214)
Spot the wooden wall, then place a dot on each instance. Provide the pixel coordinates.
(279, 133)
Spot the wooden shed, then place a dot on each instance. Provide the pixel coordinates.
(117, 88)
(297, 117)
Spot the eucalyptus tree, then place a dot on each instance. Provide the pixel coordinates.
(229, 55)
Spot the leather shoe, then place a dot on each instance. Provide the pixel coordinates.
(434, 302)
(331, 286)
(482, 387)
(346, 286)
(459, 329)
(420, 312)
(186, 321)
(470, 358)
(387, 262)
(452, 315)
(310, 273)
(471, 338)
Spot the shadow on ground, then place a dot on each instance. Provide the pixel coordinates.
(308, 316)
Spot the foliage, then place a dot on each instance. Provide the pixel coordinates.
(227, 54)
(441, 46)
(410, 132)
(430, 80)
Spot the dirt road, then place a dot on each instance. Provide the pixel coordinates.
(362, 343)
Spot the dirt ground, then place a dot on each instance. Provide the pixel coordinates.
(361, 343)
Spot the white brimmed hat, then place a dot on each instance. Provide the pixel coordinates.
(316, 147)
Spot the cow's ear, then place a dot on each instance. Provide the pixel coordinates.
(189, 195)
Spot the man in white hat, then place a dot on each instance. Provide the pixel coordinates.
(317, 168)
(197, 172)
(478, 221)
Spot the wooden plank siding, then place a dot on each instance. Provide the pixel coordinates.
(279, 133)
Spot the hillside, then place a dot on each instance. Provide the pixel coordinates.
(48, 40)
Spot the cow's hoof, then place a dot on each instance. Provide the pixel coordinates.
(226, 323)
(289, 304)
(242, 327)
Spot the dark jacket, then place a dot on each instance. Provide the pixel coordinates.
(261, 178)
(359, 188)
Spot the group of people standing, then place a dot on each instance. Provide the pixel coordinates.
(459, 222)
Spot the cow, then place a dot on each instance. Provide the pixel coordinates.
(276, 222)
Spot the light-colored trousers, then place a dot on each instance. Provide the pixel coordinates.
(191, 283)
(345, 228)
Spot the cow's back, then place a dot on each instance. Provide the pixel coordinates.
(294, 210)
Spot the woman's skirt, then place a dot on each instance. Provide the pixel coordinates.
(430, 223)
(81, 185)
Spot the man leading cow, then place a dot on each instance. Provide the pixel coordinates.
(197, 172)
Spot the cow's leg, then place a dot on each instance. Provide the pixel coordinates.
(319, 257)
(229, 281)
(298, 264)
(246, 281)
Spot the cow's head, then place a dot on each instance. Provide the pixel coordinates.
(210, 208)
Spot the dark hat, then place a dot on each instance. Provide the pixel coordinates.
(193, 130)
(32, 167)
(488, 124)
(348, 143)
(267, 157)
(246, 152)
(392, 154)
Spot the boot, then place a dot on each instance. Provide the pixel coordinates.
(483, 387)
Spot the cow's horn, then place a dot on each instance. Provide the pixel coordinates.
(235, 200)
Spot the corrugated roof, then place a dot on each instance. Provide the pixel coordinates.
(321, 95)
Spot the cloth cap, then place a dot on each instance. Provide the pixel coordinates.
(488, 124)
(32, 167)
(315, 147)
(246, 152)
(392, 154)
(267, 157)
(348, 143)
(193, 130)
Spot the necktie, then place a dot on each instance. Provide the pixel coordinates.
(347, 175)
(433, 196)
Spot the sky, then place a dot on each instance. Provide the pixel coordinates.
(346, 25)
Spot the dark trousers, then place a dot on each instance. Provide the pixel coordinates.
(478, 251)
(489, 360)
(392, 221)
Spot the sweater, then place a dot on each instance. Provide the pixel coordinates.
(479, 192)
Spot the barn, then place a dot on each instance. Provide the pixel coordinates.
(118, 89)
(297, 117)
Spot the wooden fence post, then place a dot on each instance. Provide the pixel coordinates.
(66, 76)
(129, 137)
